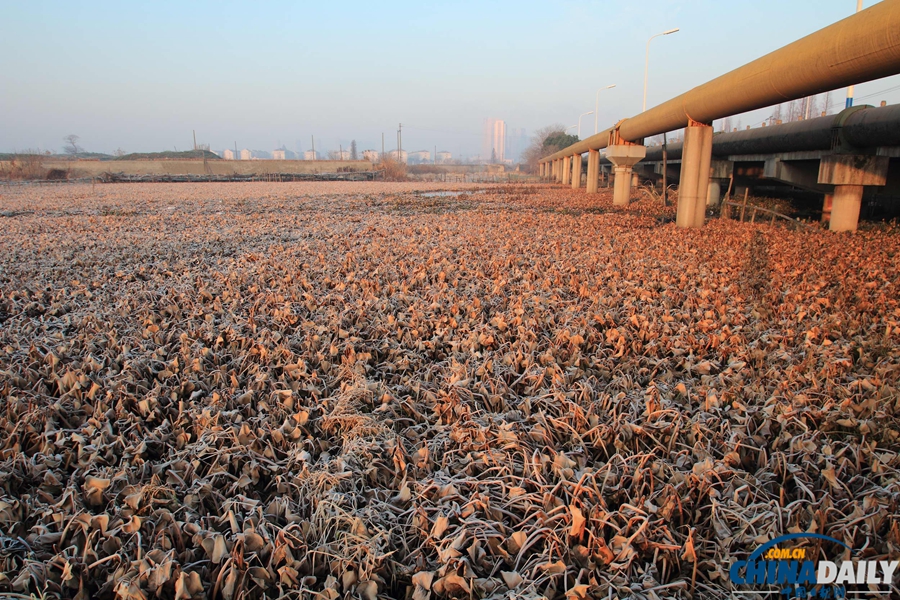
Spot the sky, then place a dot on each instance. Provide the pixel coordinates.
(141, 76)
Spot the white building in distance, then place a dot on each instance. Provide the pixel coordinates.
(419, 156)
(246, 154)
(278, 155)
(310, 155)
(229, 155)
(370, 155)
(443, 156)
(493, 141)
(403, 156)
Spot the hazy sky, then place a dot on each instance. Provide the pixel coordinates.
(141, 76)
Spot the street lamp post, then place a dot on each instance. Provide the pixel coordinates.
(647, 64)
(597, 105)
(590, 112)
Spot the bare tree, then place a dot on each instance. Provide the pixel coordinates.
(353, 154)
(536, 150)
(120, 152)
(71, 148)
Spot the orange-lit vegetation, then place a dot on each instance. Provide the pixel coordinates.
(228, 390)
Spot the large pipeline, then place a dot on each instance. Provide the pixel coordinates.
(859, 127)
(860, 48)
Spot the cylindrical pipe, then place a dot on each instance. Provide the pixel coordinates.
(873, 127)
(862, 128)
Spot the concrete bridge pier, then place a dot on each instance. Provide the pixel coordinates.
(576, 171)
(566, 170)
(826, 208)
(593, 171)
(624, 157)
(846, 203)
(849, 173)
(693, 185)
(719, 174)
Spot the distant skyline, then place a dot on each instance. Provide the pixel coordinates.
(142, 76)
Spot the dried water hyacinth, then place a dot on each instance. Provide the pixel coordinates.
(353, 391)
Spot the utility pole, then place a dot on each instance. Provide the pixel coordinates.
(382, 146)
(195, 139)
(313, 146)
(399, 140)
(665, 173)
(236, 155)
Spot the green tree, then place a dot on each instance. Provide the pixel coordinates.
(546, 141)
(559, 140)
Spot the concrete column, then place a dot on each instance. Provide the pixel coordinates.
(845, 207)
(624, 157)
(848, 174)
(576, 171)
(554, 177)
(567, 170)
(714, 193)
(719, 173)
(621, 185)
(635, 178)
(693, 185)
(593, 171)
(541, 170)
(826, 208)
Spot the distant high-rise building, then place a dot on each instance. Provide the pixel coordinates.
(493, 143)
(518, 141)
